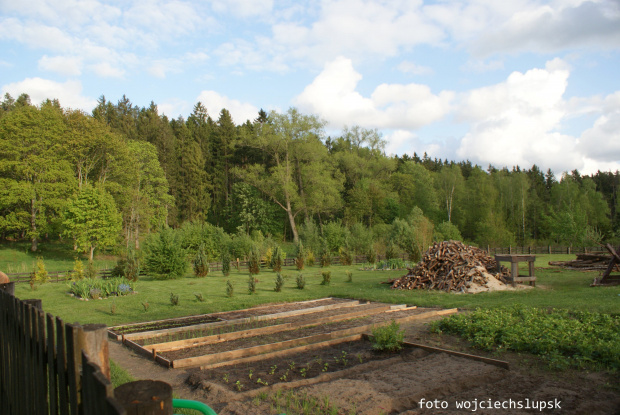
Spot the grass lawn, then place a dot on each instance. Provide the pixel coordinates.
(555, 288)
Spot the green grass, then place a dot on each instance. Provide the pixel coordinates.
(118, 375)
(17, 257)
(555, 288)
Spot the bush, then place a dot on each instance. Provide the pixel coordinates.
(349, 275)
(163, 255)
(251, 284)
(279, 283)
(371, 256)
(326, 259)
(40, 273)
(254, 262)
(230, 289)
(91, 271)
(388, 338)
(277, 260)
(310, 259)
(225, 255)
(174, 299)
(301, 281)
(345, 256)
(78, 270)
(98, 288)
(300, 257)
(327, 277)
(201, 263)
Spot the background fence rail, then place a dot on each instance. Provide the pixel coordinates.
(43, 369)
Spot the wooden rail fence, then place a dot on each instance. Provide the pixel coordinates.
(48, 366)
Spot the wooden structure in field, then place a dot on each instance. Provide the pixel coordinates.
(514, 268)
(607, 278)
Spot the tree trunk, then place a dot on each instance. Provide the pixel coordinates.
(92, 251)
(33, 225)
(291, 219)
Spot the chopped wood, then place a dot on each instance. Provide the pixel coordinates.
(451, 266)
(587, 262)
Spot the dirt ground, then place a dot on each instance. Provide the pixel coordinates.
(397, 385)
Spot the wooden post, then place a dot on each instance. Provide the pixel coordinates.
(9, 287)
(549, 248)
(35, 302)
(145, 397)
(93, 339)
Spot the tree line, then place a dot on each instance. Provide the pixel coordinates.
(113, 176)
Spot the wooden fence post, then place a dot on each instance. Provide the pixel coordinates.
(9, 287)
(145, 397)
(93, 339)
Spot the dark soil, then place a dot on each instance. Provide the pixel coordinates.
(286, 335)
(290, 368)
(167, 324)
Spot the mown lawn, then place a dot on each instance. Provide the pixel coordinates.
(555, 288)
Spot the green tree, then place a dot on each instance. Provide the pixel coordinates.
(92, 220)
(164, 256)
(35, 177)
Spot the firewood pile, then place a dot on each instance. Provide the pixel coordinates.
(452, 266)
(585, 262)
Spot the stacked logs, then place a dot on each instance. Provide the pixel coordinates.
(451, 266)
(585, 262)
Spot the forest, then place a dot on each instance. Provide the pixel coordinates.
(108, 179)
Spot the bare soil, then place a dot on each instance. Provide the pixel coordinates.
(393, 385)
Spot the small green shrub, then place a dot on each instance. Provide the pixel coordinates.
(277, 259)
(301, 281)
(78, 270)
(225, 261)
(91, 271)
(345, 256)
(371, 256)
(327, 277)
(164, 256)
(310, 260)
(146, 305)
(230, 289)
(98, 288)
(388, 338)
(199, 297)
(40, 273)
(254, 263)
(301, 256)
(326, 258)
(251, 284)
(349, 275)
(201, 262)
(174, 299)
(279, 283)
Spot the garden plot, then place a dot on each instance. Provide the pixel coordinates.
(157, 328)
(256, 335)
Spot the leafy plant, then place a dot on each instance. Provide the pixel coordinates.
(327, 277)
(91, 271)
(349, 275)
(388, 338)
(310, 260)
(301, 281)
(40, 273)
(345, 256)
(86, 288)
(225, 257)
(277, 260)
(199, 297)
(272, 369)
(146, 305)
(254, 262)
(279, 283)
(174, 299)
(230, 289)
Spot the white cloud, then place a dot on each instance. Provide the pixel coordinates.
(69, 93)
(244, 8)
(515, 122)
(240, 111)
(414, 68)
(64, 65)
(333, 96)
(107, 70)
(602, 140)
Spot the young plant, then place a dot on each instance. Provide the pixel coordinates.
(225, 257)
(146, 305)
(388, 338)
(199, 297)
(239, 385)
(91, 271)
(201, 262)
(230, 290)
(262, 382)
(272, 370)
(325, 367)
(301, 281)
(113, 308)
(277, 260)
(300, 258)
(78, 270)
(225, 377)
(40, 273)
(254, 263)
(174, 299)
(250, 374)
(279, 283)
(251, 284)
(349, 275)
(327, 277)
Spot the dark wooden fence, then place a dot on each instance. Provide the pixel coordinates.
(46, 366)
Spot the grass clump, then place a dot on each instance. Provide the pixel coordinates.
(388, 338)
(563, 338)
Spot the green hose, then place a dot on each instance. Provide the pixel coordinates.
(188, 404)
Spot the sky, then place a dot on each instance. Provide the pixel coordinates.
(506, 83)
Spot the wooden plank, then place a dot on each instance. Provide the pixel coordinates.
(42, 404)
(51, 366)
(61, 365)
(286, 352)
(494, 362)
(137, 348)
(72, 368)
(218, 338)
(165, 332)
(240, 353)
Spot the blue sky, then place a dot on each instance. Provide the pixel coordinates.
(496, 82)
